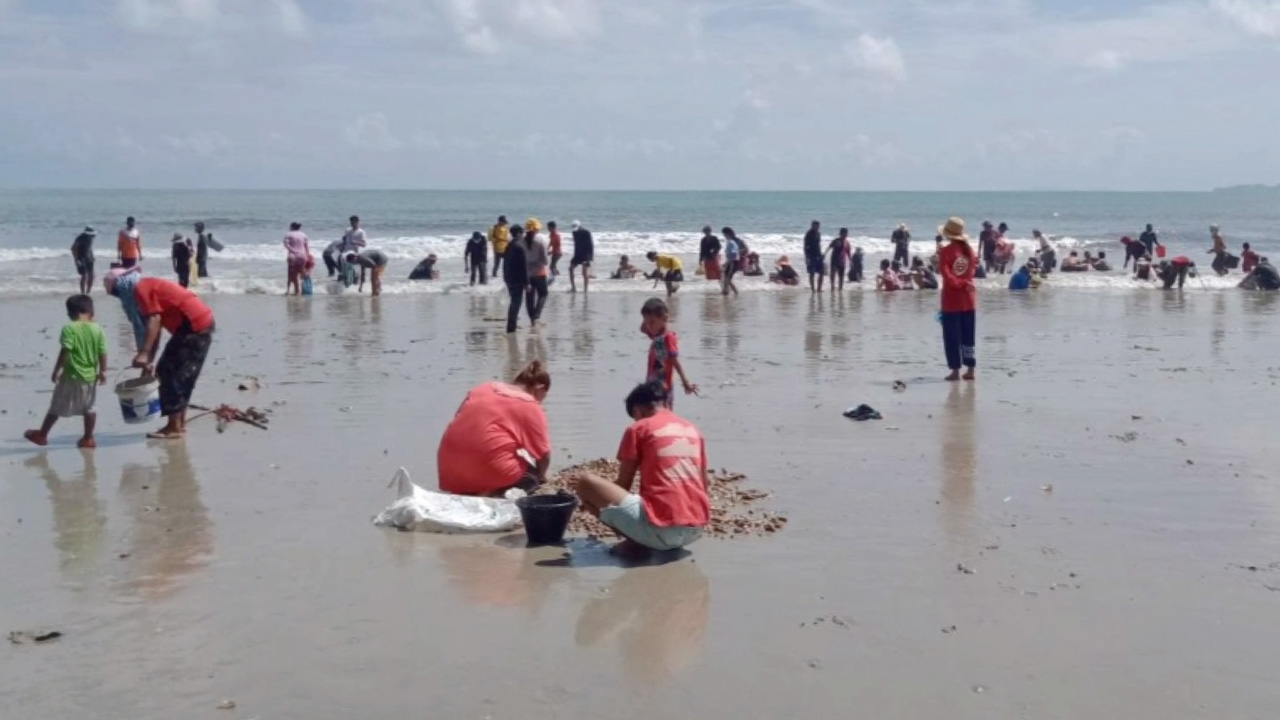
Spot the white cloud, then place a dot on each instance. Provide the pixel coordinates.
(558, 19)
(372, 132)
(879, 56)
(1257, 17)
(1106, 60)
(292, 20)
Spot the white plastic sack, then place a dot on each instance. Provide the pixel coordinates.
(422, 510)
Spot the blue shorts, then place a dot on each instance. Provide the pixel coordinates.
(629, 518)
(815, 266)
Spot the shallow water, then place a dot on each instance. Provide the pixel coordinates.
(243, 565)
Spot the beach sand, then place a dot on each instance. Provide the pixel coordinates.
(924, 571)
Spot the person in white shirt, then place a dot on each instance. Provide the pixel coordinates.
(353, 240)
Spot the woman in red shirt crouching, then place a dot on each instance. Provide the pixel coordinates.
(672, 506)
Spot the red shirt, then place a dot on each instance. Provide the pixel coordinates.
(477, 454)
(672, 456)
(958, 262)
(174, 304)
(1248, 260)
(555, 242)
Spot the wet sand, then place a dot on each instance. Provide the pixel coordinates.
(243, 566)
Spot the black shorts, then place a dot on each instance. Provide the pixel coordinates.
(674, 276)
(581, 259)
(84, 265)
(179, 367)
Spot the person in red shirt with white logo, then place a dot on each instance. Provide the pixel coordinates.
(957, 262)
(672, 505)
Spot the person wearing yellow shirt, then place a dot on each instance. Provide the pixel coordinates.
(500, 238)
(670, 271)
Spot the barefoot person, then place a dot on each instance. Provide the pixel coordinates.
(584, 253)
(82, 254)
(374, 262)
(483, 451)
(81, 367)
(297, 254)
(165, 305)
(959, 300)
(671, 507)
(129, 244)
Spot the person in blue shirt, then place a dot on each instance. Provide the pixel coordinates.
(1023, 279)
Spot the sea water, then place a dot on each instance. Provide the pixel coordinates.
(37, 227)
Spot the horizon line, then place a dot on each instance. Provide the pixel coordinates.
(15, 188)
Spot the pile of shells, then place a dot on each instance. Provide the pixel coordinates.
(733, 511)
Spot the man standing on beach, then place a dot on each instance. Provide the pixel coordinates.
(202, 250)
(987, 245)
(82, 254)
(353, 240)
(1149, 240)
(129, 244)
(959, 299)
(584, 252)
(902, 245)
(813, 255)
(500, 238)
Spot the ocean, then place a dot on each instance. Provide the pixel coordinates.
(37, 227)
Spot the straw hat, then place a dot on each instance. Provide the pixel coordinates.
(953, 229)
(177, 237)
(533, 225)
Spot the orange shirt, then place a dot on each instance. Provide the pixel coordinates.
(129, 242)
(673, 459)
(555, 242)
(173, 303)
(477, 454)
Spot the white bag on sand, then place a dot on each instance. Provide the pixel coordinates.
(422, 510)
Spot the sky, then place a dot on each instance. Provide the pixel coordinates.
(640, 94)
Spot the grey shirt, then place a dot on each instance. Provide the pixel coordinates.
(372, 258)
(537, 258)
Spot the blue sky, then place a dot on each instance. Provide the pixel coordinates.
(666, 94)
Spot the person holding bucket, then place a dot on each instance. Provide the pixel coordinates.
(669, 455)
(164, 305)
(80, 369)
(499, 438)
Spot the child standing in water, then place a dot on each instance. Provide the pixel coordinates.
(664, 350)
(80, 369)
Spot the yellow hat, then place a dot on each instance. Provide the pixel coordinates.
(533, 224)
(953, 230)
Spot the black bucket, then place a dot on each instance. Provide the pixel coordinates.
(546, 517)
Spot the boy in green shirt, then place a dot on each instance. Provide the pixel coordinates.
(81, 368)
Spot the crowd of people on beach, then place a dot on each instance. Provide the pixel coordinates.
(529, 262)
(499, 438)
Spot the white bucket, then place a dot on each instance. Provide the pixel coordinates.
(139, 399)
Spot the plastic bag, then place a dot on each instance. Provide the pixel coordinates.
(422, 510)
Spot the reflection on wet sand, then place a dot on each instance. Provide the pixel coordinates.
(172, 534)
(497, 576)
(659, 615)
(959, 459)
(535, 348)
(299, 333)
(79, 523)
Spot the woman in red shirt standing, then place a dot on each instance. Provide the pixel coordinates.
(169, 306)
(957, 261)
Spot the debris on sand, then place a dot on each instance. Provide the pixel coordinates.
(227, 705)
(731, 515)
(965, 569)
(22, 637)
(250, 383)
(1127, 437)
(230, 413)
